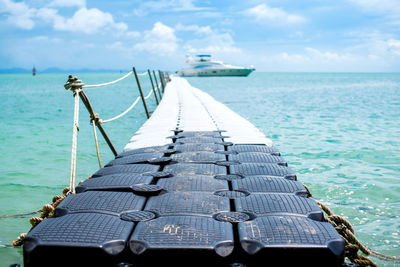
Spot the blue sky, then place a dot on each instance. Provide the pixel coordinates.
(285, 35)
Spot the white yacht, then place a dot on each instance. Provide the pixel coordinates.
(204, 65)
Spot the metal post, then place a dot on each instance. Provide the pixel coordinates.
(152, 85)
(94, 117)
(158, 88)
(162, 81)
(141, 93)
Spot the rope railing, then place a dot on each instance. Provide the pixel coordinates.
(77, 86)
(149, 94)
(123, 113)
(113, 82)
(109, 83)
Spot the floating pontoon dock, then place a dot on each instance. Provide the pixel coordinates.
(197, 185)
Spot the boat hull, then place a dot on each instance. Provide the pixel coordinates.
(215, 72)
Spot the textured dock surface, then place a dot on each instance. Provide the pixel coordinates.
(196, 185)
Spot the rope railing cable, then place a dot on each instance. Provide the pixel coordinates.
(112, 82)
(127, 110)
(149, 94)
(123, 113)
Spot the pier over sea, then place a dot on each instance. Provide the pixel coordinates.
(197, 185)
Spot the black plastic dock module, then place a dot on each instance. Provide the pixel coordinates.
(187, 203)
(192, 204)
(200, 183)
(151, 149)
(269, 184)
(132, 168)
(198, 134)
(269, 169)
(113, 203)
(210, 147)
(184, 169)
(182, 241)
(291, 240)
(255, 148)
(198, 157)
(114, 182)
(279, 204)
(135, 158)
(90, 238)
(257, 157)
(199, 140)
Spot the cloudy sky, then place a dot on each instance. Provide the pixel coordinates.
(272, 35)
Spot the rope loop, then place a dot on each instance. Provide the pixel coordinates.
(35, 221)
(96, 118)
(339, 220)
(74, 84)
(346, 231)
(47, 212)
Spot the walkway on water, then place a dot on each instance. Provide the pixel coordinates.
(196, 185)
(189, 109)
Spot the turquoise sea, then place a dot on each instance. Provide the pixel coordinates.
(340, 132)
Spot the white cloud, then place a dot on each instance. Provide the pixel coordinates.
(376, 44)
(293, 58)
(45, 39)
(394, 46)
(89, 21)
(327, 56)
(68, 3)
(167, 6)
(212, 41)
(378, 6)
(84, 20)
(388, 8)
(200, 30)
(19, 14)
(159, 40)
(132, 34)
(316, 57)
(264, 13)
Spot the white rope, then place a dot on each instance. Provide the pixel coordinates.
(112, 82)
(74, 143)
(149, 94)
(128, 109)
(142, 74)
(123, 113)
(96, 143)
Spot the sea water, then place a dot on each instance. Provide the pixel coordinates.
(339, 132)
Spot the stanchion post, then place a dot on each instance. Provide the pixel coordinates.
(158, 88)
(141, 93)
(162, 81)
(94, 117)
(152, 85)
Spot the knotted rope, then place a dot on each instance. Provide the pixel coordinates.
(353, 245)
(47, 212)
(76, 87)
